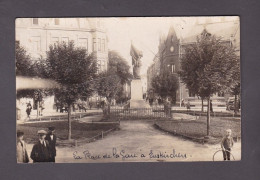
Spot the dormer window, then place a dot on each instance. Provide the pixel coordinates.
(57, 21)
(35, 21)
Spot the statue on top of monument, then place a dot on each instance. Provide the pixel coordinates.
(136, 61)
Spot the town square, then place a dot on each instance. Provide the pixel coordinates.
(128, 89)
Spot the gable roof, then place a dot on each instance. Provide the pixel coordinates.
(222, 29)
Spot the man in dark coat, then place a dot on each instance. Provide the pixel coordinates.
(41, 150)
(51, 138)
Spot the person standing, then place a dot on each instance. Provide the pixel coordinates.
(226, 145)
(51, 138)
(167, 107)
(41, 149)
(188, 105)
(28, 109)
(29, 105)
(182, 103)
(28, 112)
(22, 156)
(42, 108)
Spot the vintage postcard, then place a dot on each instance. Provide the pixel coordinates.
(128, 89)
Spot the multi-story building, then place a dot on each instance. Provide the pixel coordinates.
(167, 58)
(172, 48)
(37, 34)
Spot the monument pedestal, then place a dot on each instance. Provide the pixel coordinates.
(136, 100)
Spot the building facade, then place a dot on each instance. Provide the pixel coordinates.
(172, 48)
(37, 34)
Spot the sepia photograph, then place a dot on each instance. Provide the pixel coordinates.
(128, 89)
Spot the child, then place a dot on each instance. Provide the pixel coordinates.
(226, 144)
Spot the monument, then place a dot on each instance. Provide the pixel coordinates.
(136, 100)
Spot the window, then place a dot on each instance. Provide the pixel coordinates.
(35, 21)
(101, 65)
(94, 44)
(103, 48)
(171, 68)
(82, 23)
(57, 21)
(83, 42)
(99, 44)
(35, 44)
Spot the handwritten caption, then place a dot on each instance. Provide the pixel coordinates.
(122, 154)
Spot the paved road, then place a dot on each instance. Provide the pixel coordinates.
(137, 138)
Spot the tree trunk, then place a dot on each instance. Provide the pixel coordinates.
(202, 105)
(235, 105)
(69, 122)
(208, 117)
(108, 108)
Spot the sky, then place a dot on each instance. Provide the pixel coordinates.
(144, 33)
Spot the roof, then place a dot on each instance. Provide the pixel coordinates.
(221, 29)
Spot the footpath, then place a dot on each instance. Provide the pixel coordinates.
(53, 115)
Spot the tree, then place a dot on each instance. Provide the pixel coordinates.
(118, 65)
(23, 68)
(208, 67)
(74, 70)
(39, 70)
(34, 69)
(110, 83)
(165, 84)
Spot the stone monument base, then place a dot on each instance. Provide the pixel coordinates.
(136, 100)
(138, 104)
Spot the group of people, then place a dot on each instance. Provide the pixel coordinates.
(44, 150)
(188, 105)
(29, 109)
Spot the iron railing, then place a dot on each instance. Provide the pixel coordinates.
(139, 113)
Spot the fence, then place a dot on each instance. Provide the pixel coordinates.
(159, 112)
(212, 114)
(140, 113)
(100, 135)
(74, 116)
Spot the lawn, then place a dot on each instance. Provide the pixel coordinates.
(80, 131)
(197, 129)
